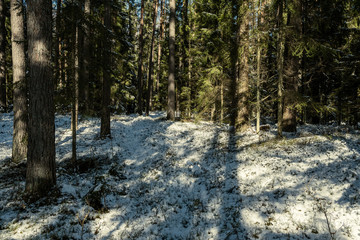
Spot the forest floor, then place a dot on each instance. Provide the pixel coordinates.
(157, 179)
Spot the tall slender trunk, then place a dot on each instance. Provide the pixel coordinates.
(184, 59)
(75, 104)
(105, 109)
(75, 70)
(258, 68)
(40, 173)
(140, 65)
(161, 37)
(151, 60)
(280, 67)
(20, 138)
(171, 79)
(242, 121)
(190, 61)
(222, 101)
(86, 57)
(62, 66)
(57, 44)
(258, 83)
(234, 59)
(292, 68)
(3, 97)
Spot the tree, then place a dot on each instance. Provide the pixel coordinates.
(105, 108)
(86, 57)
(3, 97)
(234, 56)
(239, 66)
(40, 173)
(171, 79)
(280, 66)
(20, 138)
(292, 67)
(260, 6)
(151, 60)
(58, 41)
(75, 84)
(186, 88)
(161, 37)
(243, 121)
(140, 82)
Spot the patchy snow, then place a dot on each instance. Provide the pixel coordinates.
(157, 179)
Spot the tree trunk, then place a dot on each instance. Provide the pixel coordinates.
(292, 67)
(222, 101)
(140, 65)
(258, 69)
(57, 50)
(243, 122)
(86, 57)
(234, 60)
(151, 60)
(20, 138)
(3, 97)
(171, 80)
(40, 173)
(239, 115)
(184, 77)
(75, 103)
(280, 67)
(161, 37)
(190, 61)
(105, 108)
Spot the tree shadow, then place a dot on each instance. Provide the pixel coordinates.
(154, 184)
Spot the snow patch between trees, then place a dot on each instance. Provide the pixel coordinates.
(157, 179)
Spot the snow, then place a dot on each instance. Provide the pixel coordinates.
(157, 179)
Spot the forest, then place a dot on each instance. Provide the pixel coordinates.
(179, 119)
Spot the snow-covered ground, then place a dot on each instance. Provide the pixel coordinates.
(157, 179)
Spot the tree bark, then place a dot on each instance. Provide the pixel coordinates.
(86, 57)
(234, 61)
(3, 97)
(105, 109)
(40, 174)
(258, 67)
(58, 43)
(151, 60)
(171, 79)
(280, 67)
(140, 65)
(292, 68)
(75, 103)
(20, 138)
(239, 115)
(161, 37)
(243, 122)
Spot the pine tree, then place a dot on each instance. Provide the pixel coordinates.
(106, 88)
(292, 67)
(151, 60)
(161, 37)
(243, 121)
(140, 82)
(86, 57)
(40, 173)
(3, 97)
(171, 79)
(20, 138)
(58, 41)
(280, 66)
